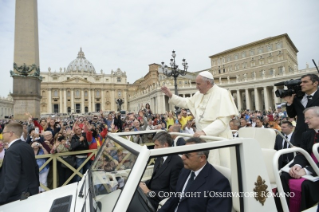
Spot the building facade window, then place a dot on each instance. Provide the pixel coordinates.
(119, 93)
(228, 59)
(279, 45)
(280, 70)
(68, 94)
(271, 72)
(77, 93)
(236, 56)
(55, 93)
(260, 50)
(119, 79)
(85, 93)
(251, 52)
(269, 47)
(97, 93)
(243, 54)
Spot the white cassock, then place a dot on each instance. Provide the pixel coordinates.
(212, 112)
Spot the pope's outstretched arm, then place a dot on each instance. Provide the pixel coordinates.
(177, 100)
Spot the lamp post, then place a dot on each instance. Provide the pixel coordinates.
(174, 70)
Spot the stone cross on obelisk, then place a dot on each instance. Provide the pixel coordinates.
(26, 71)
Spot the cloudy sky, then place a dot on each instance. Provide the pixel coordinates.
(133, 34)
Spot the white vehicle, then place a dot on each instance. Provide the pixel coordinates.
(112, 183)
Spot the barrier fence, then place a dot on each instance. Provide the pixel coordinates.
(59, 157)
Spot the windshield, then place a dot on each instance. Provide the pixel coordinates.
(110, 172)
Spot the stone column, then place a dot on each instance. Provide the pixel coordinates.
(82, 101)
(112, 100)
(49, 100)
(102, 100)
(238, 100)
(89, 99)
(93, 100)
(248, 102)
(266, 100)
(61, 101)
(26, 90)
(72, 101)
(65, 109)
(257, 99)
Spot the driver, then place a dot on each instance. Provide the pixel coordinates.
(165, 173)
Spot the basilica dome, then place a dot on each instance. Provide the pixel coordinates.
(81, 64)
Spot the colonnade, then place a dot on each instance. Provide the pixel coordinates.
(89, 100)
(256, 98)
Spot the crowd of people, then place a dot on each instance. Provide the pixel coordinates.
(63, 134)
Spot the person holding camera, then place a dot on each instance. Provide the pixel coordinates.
(296, 105)
(79, 142)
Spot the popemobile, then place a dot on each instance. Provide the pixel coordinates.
(250, 165)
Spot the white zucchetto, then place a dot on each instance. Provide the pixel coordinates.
(206, 74)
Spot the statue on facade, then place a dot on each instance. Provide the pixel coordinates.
(254, 75)
(60, 69)
(101, 71)
(228, 79)
(263, 74)
(237, 78)
(283, 70)
(220, 80)
(274, 73)
(49, 69)
(307, 65)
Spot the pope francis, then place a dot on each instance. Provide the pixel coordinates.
(211, 106)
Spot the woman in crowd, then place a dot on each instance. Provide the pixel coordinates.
(53, 126)
(61, 144)
(40, 150)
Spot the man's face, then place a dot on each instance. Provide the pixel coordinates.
(202, 85)
(243, 123)
(307, 85)
(6, 135)
(157, 145)
(253, 119)
(259, 123)
(285, 128)
(77, 130)
(312, 119)
(47, 136)
(233, 126)
(192, 160)
(184, 113)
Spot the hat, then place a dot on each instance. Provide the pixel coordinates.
(206, 74)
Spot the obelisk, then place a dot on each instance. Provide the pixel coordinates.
(26, 71)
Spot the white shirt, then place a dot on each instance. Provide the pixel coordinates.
(196, 174)
(12, 143)
(189, 130)
(253, 124)
(283, 140)
(304, 100)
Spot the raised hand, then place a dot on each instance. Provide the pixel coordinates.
(166, 91)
